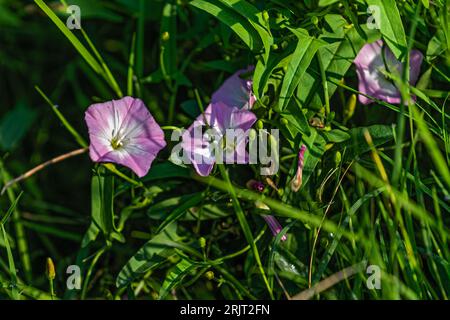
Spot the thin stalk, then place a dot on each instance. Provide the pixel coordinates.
(63, 119)
(52, 289)
(89, 272)
(324, 84)
(42, 166)
(131, 67)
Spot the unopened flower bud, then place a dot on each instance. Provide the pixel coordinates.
(255, 185)
(202, 242)
(259, 124)
(165, 36)
(296, 182)
(50, 269)
(337, 158)
(350, 107)
(261, 205)
(274, 226)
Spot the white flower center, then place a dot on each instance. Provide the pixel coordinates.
(118, 140)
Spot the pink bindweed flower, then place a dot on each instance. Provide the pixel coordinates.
(271, 221)
(371, 68)
(274, 226)
(124, 132)
(219, 134)
(235, 91)
(296, 182)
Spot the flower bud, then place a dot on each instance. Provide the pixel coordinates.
(350, 107)
(296, 182)
(209, 275)
(255, 185)
(259, 124)
(165, 36)
(337, 158)
(50, 269)
(202, 242)
(274, 226)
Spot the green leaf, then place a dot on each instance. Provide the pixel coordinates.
(102, 207)
(208, 211)
(357, 144)
(436, 47)
(297, 121)
(264, 69)
(343, 46)
(336, 135)
(324, 3)
(248, 11)
(240, 25)
(391, 26)
(175, 276)
(90, 235)
(149, 255)
(300, 60)
(181, 210)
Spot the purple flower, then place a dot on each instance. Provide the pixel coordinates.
(271, 221)
(124, 132)
(255, 185)
(235, 91)
(371, 67)
(274, 226)
(219, 134)
(296, 182)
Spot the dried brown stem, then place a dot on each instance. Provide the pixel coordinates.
(330, 281)
(38, 168)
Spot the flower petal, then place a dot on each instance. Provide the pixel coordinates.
(415, 61)
(235, 91)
